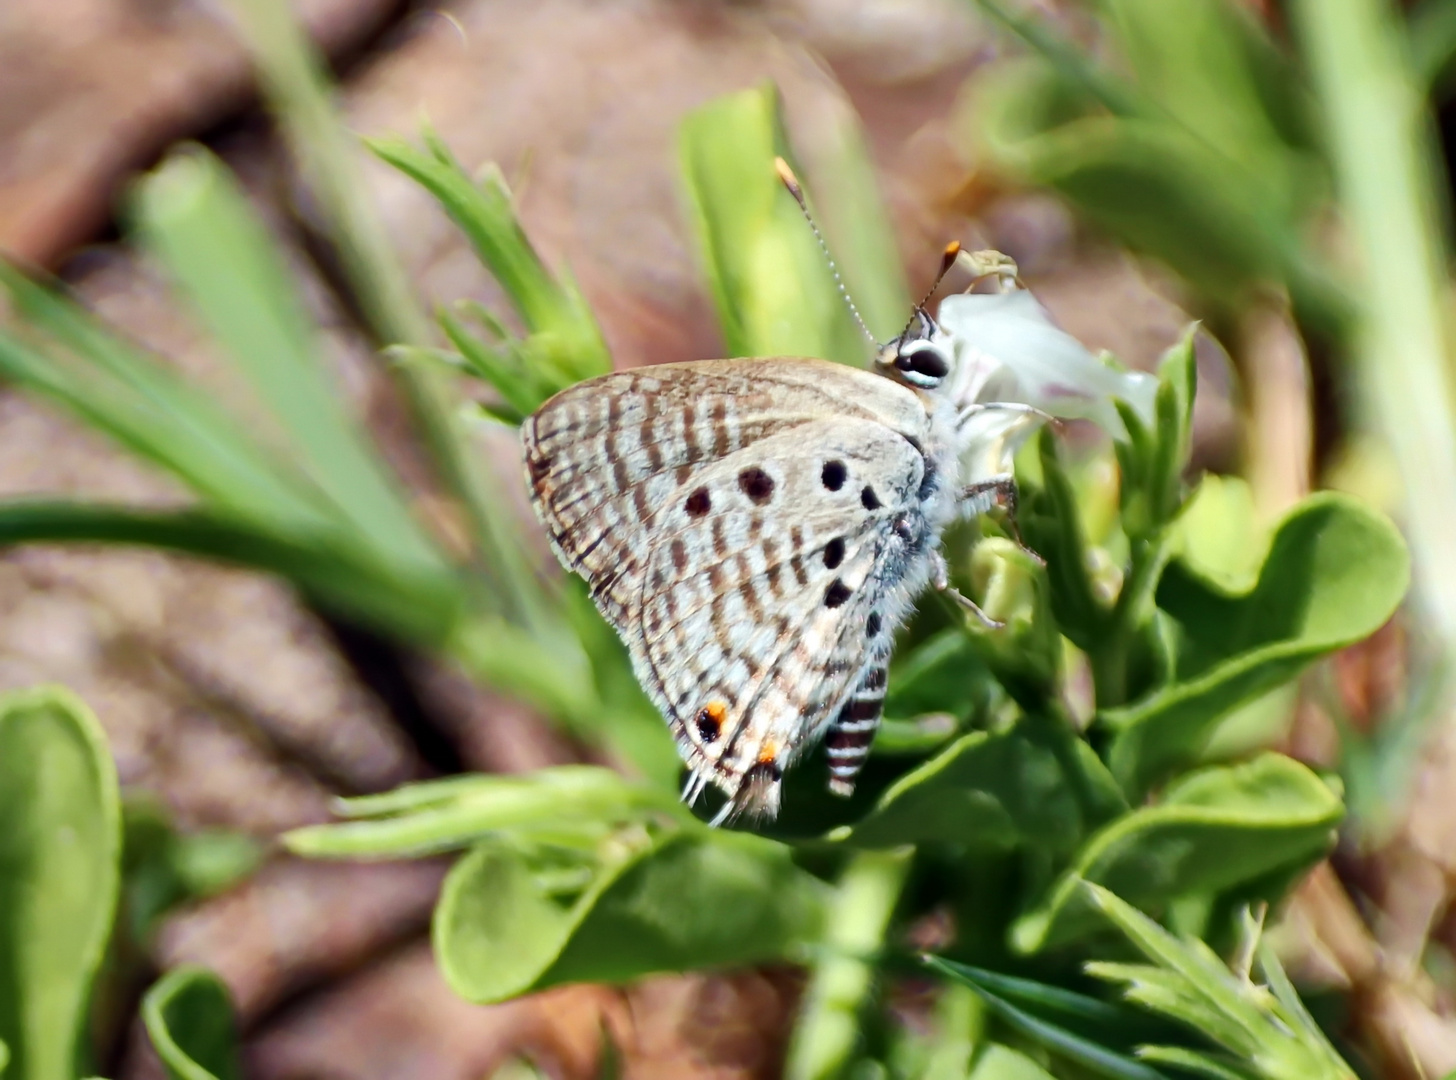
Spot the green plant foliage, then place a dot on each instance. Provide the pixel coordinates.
(189, 1018)
(1056, 1019)
(1335, 572)
(563, 344)
(450, 814)
(162, 867)
(1199, 151)
(1265, 1030)
(983, 800)
(189, 211)
(997, 790)
(774, 292)
(518, 915)
(59, 855)
(1218, 829)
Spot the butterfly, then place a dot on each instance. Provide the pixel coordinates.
(757, 529)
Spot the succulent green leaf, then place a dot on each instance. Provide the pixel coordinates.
(1335, 572)
(641, 903)
(60, 852)
(1213, 831)
(986, 790)
(189, 1018)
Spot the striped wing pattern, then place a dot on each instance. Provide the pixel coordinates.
(743, 525)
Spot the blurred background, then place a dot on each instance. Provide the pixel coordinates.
(1313, 247)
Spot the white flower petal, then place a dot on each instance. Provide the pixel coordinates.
(991, 436)
(1008, 350)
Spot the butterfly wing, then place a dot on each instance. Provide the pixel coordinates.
(743, 524)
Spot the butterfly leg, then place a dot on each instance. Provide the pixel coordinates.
(940, 579)
(998, 492)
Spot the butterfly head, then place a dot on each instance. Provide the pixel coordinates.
(919, 357)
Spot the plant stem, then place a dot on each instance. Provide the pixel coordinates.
(297, 90)
(1384, 158)
(828, 1028)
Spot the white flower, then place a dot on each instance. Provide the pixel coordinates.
(1012, 369)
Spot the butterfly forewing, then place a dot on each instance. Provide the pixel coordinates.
(741, 524)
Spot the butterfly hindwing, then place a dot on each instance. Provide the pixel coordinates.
(762, 585)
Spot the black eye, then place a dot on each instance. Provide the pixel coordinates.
(929, 362)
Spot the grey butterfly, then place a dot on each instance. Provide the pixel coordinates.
(757, 529)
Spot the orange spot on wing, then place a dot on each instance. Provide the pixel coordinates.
(768, 754)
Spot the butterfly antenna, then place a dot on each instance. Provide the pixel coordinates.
(791, 182)
(947, 260)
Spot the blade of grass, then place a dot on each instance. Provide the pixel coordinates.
(1384, 156)
(191, 210)
(419, 607)
(296, 88)
(150, 411)
(1094, 1057)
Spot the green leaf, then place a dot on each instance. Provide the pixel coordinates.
(674, 902)
(986, 790)
(1090, 1055)
(60, 851)
(189, 1019)
(1218, 537)
(187, 212)
(564, 339)
(1215, 830)
(1114, 1026)
(1199, 1064)
(1189, 983)
(1052, 521)
(1335, 572)
(774, 292)
(1213, 71)
(1025, 653)
(1177, 383)
(162, 868)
